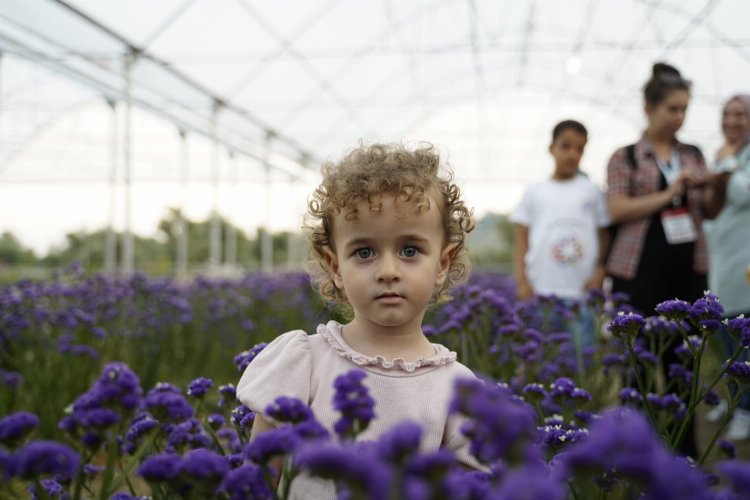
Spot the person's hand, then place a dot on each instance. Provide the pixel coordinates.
(597, 279)
(719, 179)
(678, 187)
(726, 149)
(524, 290)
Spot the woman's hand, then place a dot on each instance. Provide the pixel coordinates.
(727, 149)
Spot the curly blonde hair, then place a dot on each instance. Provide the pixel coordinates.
(367, 172)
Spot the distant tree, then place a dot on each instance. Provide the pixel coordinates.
(12, 252)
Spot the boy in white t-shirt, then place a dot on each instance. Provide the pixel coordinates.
(561, 223)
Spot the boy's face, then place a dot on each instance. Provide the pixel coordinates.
(389, 263)
(567, 150)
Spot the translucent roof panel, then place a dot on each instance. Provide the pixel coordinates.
(486, 80)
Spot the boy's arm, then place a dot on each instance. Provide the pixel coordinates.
(597, 279)
(524, 290)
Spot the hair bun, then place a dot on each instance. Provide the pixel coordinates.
(664, 69)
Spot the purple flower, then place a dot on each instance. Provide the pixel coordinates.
(348, 466)
(712, 398)
(166, 403)
(311, 429)
(530, 481)
(534, 392)
(499, 426)
(555, 436)
(203, 465)
(199, 387)
(99, 418)
(11, 379)
(121, 495)
(92, 470)
(674, 404)
(432, 465)
(44, 458)
(707, 308)
(289, 410)
(141, 425)
(740, 326)
(16, 427)
(52, 490)
(400, 442)
(246, 483)
(630, 395)
(727, 448)
(228, 394)
(626, 324)
(740, 371)
(466, 485)
(216, 421)
(678, 371)
(561, 389)
(270, 444)
(738, 474)
(243, 417)
(674, 309)
(160, 468)
(245, 357)
(623, 443)
(353, 401)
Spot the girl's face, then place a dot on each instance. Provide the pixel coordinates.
(389, 263)
(734, 121)
(668, 115)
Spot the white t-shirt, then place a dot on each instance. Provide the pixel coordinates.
(563, 218)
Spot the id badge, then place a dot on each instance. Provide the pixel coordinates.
(678, 226)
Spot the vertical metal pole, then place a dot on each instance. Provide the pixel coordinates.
(110, 243)
(230, 250)
(266, 248)
(127, 235)
(214, 255)
(181, 229)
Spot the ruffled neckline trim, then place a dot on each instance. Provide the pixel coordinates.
(331, 332)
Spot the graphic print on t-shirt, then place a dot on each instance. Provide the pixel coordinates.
(566, 244)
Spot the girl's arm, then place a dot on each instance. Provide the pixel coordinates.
(261, 425)
(524, 290)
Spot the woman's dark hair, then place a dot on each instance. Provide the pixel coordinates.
(664, 79)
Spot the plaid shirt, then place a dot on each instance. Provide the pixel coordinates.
(642, 179)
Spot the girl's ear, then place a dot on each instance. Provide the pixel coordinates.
(446, 257)
(333, 267)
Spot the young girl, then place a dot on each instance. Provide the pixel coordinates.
(387, 233)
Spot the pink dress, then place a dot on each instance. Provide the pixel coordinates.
(305, 366)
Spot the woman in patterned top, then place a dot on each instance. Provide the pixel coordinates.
(660, 190)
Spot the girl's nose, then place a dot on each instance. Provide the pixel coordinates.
(389, 269)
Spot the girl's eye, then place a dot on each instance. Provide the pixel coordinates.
(363, 253)
(410, 251)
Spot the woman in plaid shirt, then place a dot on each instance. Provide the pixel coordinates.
(659, 193)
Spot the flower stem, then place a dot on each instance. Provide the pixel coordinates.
(724, 421)
(694, 400)
(642, 390)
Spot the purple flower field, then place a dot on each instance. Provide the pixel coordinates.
(123, 388)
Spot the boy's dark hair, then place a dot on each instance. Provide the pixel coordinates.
(664, 79)
(569, 124)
